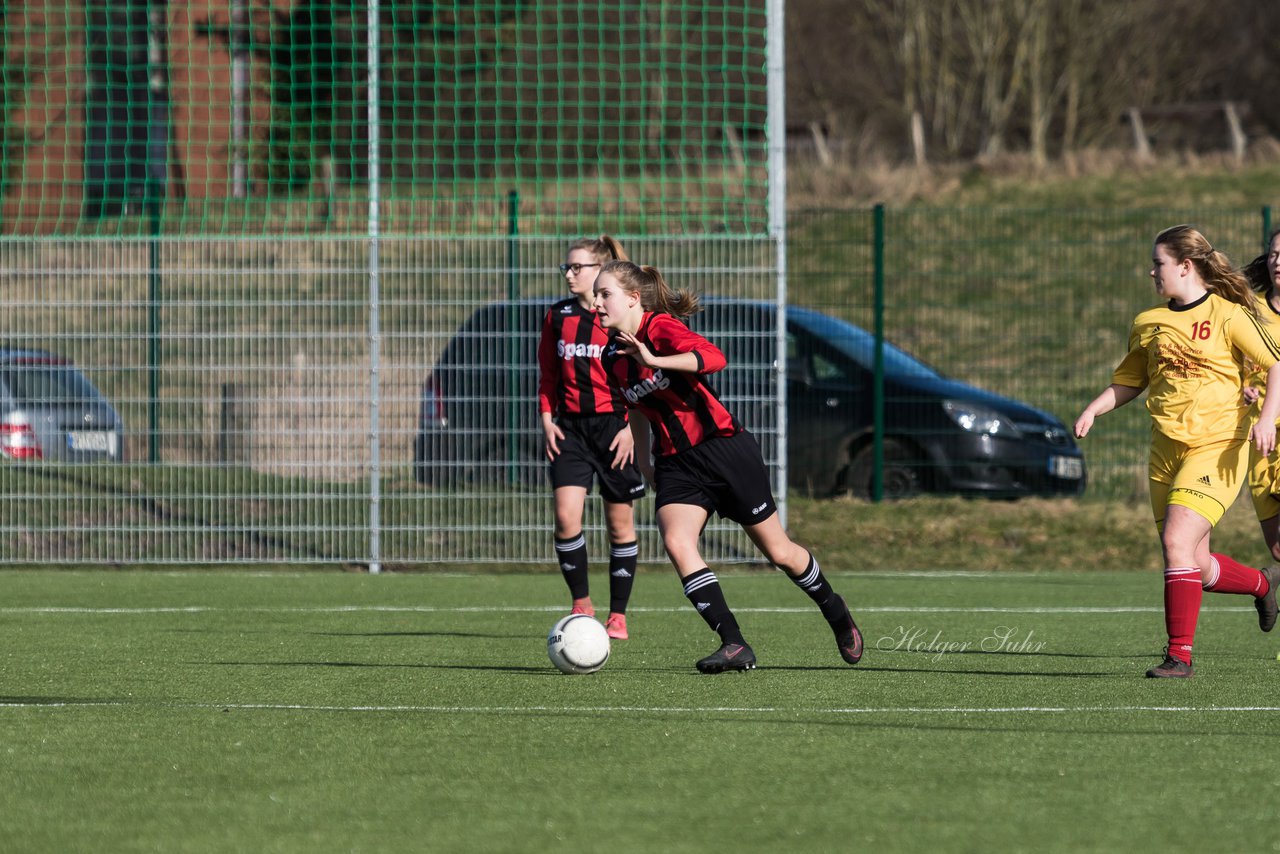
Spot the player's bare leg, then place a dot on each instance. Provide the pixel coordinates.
(802, 568)
(681, 525)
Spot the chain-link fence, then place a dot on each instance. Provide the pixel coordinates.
(281, 242)
(232, 117)
(270, 413)
(255, 230)
(1032, 305)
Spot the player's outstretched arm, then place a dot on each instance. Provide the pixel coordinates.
(1263, 432)
(1113, 397)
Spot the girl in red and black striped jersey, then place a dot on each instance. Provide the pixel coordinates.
(584, 425)
(704, 461)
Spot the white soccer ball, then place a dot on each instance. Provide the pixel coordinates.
(578, 644)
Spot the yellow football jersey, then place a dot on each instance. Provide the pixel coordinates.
(1255, 376)
(1192, 361)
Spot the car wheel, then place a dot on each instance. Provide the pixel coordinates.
(902, 474)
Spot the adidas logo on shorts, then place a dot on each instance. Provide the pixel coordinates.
(1205, 480)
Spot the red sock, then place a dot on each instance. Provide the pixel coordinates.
(1182, 595)
(1235, 577)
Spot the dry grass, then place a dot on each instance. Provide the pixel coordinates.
(1098, 176)
(979, 535)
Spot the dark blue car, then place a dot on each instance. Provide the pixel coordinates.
(478, 417)
(941, 436)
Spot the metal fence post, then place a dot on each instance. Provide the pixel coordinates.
(513, 294)
(153, 343)
(375, 392)
(153, 195)
(877, 400)
(776, 126)
(1266, 228)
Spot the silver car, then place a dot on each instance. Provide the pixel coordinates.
(50, 411)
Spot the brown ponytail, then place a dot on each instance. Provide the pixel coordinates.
(1186, 244)
(655, 293)
(604, 248)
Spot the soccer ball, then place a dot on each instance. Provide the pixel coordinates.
(578, 644)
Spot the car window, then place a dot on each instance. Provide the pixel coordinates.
(859, 345)
(797, 362)
(827, 371)
(34, 385)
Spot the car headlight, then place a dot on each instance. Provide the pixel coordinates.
(1056, 434)
(978, 419)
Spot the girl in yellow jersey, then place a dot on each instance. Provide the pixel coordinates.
(1263, 274)
(1190, 355)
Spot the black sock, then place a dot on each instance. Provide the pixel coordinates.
(572, 555)
(622, 574)
(813, 582)
(703, 590)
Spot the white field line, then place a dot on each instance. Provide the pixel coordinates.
(286, 573)
(666, 710)
(492, 609)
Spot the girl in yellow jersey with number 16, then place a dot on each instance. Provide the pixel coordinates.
(1190, 355)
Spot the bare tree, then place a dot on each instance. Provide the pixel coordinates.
(977, 77)
(996, 35)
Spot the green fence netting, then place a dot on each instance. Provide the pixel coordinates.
(231, 117)
(1033, 305)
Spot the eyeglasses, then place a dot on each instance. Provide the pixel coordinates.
(576, 268)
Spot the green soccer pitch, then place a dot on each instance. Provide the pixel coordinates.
(222, 711)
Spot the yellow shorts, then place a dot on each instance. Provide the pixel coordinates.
(1205, 479)
(1264, 483)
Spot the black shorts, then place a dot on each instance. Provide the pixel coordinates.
(725, 475)
(585, 455)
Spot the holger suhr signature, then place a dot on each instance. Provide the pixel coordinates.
(919, 639)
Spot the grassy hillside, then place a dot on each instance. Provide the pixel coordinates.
(1064, 251)
(1096, 179)
(1018, 282)
(1029, 535)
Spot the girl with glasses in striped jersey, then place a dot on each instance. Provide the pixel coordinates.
(585, 435)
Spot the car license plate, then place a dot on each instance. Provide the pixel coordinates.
(95, 440)
(1067, 468)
